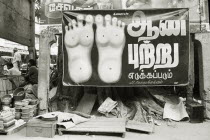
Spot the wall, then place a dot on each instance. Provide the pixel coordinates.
(15, 21)
(204, 69)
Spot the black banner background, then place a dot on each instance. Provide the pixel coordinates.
(180, 72)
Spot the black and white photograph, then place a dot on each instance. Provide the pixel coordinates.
(104, 69)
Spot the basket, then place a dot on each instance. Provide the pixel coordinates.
(19, 94)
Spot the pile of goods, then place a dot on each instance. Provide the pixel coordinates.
(7, 119)
(6, 102)
(25, 109)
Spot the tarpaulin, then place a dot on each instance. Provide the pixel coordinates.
(126, 47)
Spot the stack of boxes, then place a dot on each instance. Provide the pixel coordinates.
(25, 109)
(7, 119)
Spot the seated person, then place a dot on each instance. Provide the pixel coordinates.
(31, 78)
(11, 70)
(2, 63)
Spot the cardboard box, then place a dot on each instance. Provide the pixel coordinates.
(39, 128)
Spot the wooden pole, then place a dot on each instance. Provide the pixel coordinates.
(31, 48)
(47, 38)
(191, 75)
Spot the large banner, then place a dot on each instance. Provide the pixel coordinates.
(126, 47)
(51, 10)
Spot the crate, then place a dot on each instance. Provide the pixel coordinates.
(196, 112)
(39, 128)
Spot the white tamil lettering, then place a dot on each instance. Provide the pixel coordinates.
(67, 7)
(170, 27)
(51, 7)
(133, 56)
(163, 53)
(150, 75)
(136, 29)
(140, 25)
(152, 32)
(59, 7)
(146, 56)
(165, 58)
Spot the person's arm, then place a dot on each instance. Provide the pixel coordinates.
(18, 64)
(31, 71)
(14, 59)
(28, 74)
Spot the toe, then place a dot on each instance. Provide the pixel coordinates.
(70, 25)
(89, 19)
(123, 24)
(74, 23)
(99, 20)
(66, 28)
(108, 19)
(80, 19)
(114, 21)
(119, 23)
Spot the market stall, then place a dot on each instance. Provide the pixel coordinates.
(17, 25)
